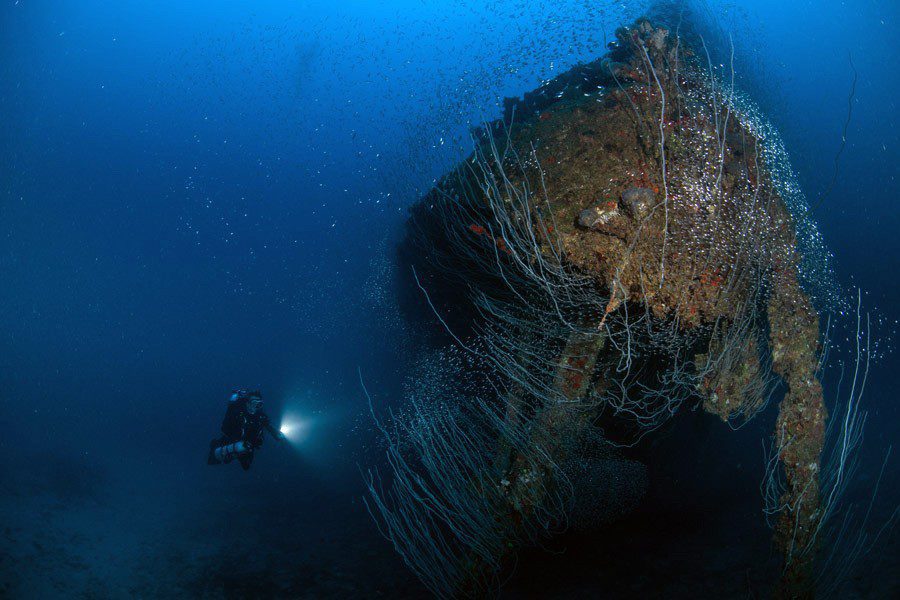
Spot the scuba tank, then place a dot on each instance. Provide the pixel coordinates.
(228, 452)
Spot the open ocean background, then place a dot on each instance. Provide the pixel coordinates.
(198, 196)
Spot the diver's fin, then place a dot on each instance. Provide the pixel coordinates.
(211, 458)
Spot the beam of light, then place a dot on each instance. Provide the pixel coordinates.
(295, 429)
(314, 426)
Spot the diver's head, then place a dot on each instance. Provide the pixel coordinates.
(254, 402)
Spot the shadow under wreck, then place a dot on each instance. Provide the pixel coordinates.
(619, 245)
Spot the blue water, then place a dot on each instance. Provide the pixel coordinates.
(198, 196)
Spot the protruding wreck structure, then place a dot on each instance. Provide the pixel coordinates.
(622, 245)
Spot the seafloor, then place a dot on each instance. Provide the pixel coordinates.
(72, 529)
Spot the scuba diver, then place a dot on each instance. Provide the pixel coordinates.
(242, 429)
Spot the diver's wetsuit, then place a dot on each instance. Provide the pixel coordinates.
(239, 424)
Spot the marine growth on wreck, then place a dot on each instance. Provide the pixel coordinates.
(623, 246)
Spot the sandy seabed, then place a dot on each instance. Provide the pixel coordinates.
(70, 528)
